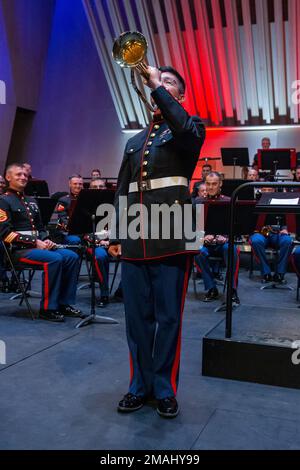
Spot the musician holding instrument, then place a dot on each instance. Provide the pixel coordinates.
(63, 213)
(276, 236)
(157, 164)
(21, 228)
(215, 245)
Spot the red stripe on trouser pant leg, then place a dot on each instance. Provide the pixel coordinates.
(178, 348)
(46, 278)
(99, 273)
(236, 273)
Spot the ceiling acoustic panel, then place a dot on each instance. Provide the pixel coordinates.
(240, 58)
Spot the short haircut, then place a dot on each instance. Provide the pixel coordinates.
(76, 175)
(208, 165)
(96, 169)
(266, 138)
(168, 68)
(11, 166)
(98, 180)
(215, 173)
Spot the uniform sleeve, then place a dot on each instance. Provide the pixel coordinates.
(62, 214)
(7, 232)
(189, 129)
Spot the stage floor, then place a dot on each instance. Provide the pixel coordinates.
(60, 386)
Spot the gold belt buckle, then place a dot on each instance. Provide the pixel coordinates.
(145, 185)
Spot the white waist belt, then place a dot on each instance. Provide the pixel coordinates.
(158, 183)
(27, 232)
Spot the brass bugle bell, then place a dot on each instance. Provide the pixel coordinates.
(129, 51)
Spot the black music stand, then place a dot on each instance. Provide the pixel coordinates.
(235, 157)
(276, 159)
(217, 222)
(279, 203)
(46, 207)
(83, 220)
(37, 188)
(230, 185)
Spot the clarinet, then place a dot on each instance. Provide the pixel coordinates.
(64, 247)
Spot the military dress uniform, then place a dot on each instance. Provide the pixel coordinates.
(156, 167)
(62, 211)
(21, 227)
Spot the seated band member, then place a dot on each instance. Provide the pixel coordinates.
(62, 211)
(206, 169)
(21, 227)
(270, 234)
(201, 194)
(95, 174)
(295, 258)
(97, 183)
(215, 245)
(297, 174)
(265, 145)
(63, 207)
(3, 275)
(252, 174)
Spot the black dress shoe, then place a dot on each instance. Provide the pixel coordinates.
(51, 315)
(279, 278)
(267, 278)
(103, 302)
(5, 288)
(168, 407)
(235, 298)
(211, 295)
(69, 311)
(130, 403)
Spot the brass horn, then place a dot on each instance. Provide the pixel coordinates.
(129, 51)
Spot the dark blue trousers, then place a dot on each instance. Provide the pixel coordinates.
(101, 265)
(60, 274)
(202, 260)
(3, 274)
(154, 294)
(283, 243)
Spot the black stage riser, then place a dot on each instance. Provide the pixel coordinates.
(250, 362)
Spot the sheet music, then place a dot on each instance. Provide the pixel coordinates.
(284, 202)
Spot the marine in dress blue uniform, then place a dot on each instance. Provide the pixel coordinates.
(22, 229)
(63, 212)
(215, 245)
(157, 164)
